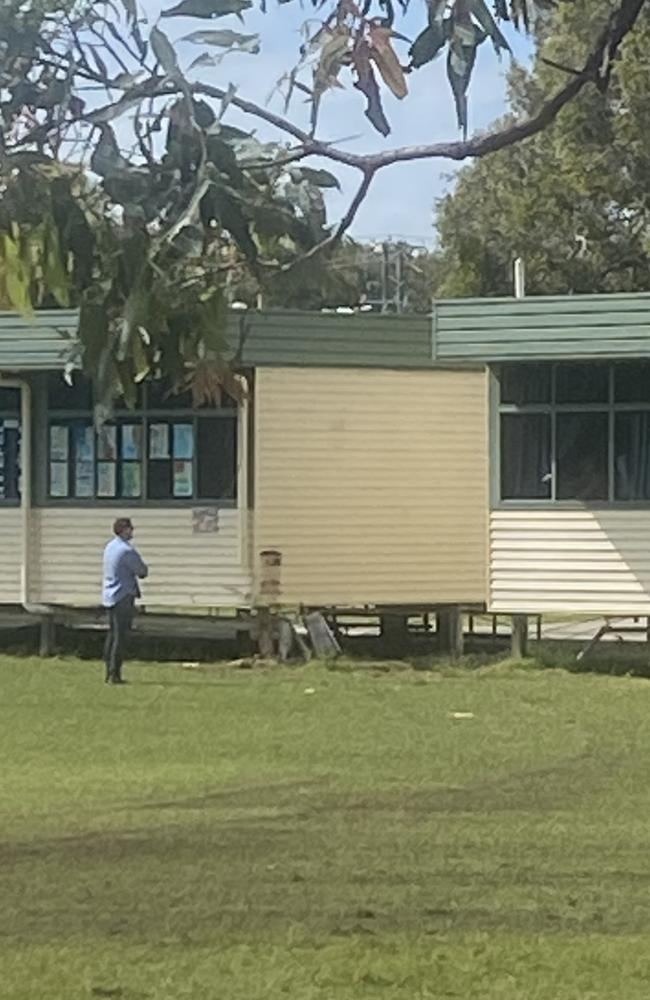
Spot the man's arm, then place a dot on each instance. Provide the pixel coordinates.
(138, 565)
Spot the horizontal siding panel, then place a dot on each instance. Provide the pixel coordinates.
(550, 326)
(11, 548)
(39, 341)
(185, 569)
(602, 326)
(573, 561)
(534, 304)
(369, 493)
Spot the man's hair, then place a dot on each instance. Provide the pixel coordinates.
(121, 525)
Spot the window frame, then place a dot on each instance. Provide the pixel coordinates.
(16, 414)
(145, 416)
(553, 408)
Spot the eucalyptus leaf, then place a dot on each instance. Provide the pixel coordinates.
(208, 8)
(480, 11)
(131, 10)
(460, 64)
(164, 51)
(106, 158)
(226, 39)
(367, 84)
(427, 45)
(320, 178)
(205, 59)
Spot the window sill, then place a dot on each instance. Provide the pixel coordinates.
(571, 505)
(131, 504)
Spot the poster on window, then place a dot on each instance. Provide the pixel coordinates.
(3, 491)
(182, 479)
(184, 441)
(106, 479)
(58, 443)
(84, 443)
(131, 479)
(107, 444)
(159, 441)
(84, 485)
(58, 479)
(131, 442)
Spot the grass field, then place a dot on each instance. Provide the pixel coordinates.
(323, 835)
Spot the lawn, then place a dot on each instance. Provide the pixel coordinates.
(323, 835)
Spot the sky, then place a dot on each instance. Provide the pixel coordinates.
(401, 201)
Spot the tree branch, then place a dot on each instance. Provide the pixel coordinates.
(595, 70)
(343, 226)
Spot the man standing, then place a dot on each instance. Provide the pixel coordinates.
(123, 566)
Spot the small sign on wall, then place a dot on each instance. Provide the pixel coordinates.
(204, 520)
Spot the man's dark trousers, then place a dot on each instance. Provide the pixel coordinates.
(120, 619)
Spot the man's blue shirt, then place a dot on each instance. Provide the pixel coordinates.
(122, 567)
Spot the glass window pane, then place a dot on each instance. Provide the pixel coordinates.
(131, 479)
(10, 459)
(632, 382)
(582, 383)
(61, 396)
(159, 482)
(184, 441)
(131, 440)
(183, 479)
(525, 456)
(527, 383)
(632, 456)
(106, 479)
(59, 479)
(10, 400)
(59, 439)
(582, 456)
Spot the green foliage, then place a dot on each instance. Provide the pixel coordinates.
(353, 39)
(142, 206)
(573, 201)
(149, 243)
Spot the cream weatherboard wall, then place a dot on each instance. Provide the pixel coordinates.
(570, 560)
(372, 484)
(11, 548)
(186, 569)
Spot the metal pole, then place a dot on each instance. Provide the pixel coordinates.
(520, 278)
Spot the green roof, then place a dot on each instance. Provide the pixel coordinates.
(460, 332)
(542, 328)
(38, 342)
(277, 337)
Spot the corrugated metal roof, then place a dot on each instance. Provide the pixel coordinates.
(542, 328)
(461, 332)
(41, 341)
(331, 339)
(277, 337)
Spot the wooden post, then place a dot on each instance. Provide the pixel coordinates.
(268, 597)
(450, 628)
(519, 640)
(265, 634)
(47, 637)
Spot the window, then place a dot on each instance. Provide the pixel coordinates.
(165, 450)
(575, 431)
(9, 445)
